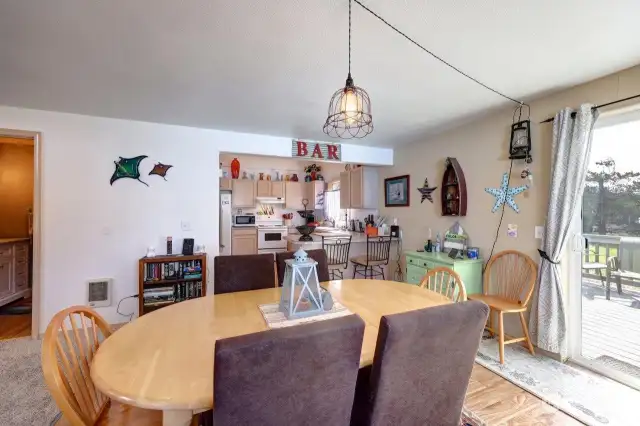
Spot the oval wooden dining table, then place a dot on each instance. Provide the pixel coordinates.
(164, 360)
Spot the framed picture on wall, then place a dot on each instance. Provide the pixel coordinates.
(396, 191)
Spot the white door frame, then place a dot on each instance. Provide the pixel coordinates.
(37, 223)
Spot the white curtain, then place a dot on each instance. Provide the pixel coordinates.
(332, 205)
(570, 152)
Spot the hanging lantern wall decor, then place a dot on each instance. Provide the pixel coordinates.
(350, 108)
(301, 295)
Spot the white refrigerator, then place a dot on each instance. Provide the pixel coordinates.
(225, 223)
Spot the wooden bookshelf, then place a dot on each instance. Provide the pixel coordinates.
(166, 280)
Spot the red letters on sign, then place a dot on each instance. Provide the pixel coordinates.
(317, 153)
(332, 152)
(302, 149)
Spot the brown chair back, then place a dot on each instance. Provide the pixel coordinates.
(510, 275)
(302, 375)
(445, 281)
(421, 367)
(242, 273)
(318, 255)
(69, 345)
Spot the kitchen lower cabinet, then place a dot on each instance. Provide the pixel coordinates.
(244, 241)
(419, 263)
(14, 270)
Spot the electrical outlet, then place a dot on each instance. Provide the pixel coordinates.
(539, 232)
(185, 225)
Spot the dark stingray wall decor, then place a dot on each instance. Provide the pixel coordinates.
(160, 170)
(128, 168)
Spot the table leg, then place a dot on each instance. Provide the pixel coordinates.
(177, 418)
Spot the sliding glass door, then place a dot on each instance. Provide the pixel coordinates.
(605, 266)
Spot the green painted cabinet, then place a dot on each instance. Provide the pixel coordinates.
(470, 270)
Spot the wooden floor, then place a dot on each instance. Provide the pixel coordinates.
(12, 326)
(610, 327)
(499, 402)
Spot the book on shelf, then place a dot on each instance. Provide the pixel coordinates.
(167, 280)
(163, 271)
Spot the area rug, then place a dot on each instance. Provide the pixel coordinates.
(582, 394)
(24, 397)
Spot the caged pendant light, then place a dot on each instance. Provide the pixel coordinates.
(350, 108)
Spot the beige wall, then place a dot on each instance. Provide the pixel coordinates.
(16, 186)
(481, 148)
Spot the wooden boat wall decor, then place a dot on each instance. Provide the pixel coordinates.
(454, 189)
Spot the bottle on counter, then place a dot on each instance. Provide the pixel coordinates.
(438, 245)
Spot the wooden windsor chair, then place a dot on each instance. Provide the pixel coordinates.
(446, 282)
(68, 348)
(509, 280)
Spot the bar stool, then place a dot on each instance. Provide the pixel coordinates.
(378, 249)
(337, 249)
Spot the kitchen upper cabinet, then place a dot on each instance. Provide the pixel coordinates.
(263, 188)
(293, 194)
(315, 194)
(225, 184)
(244, 193)
(356, 197)
(277, 189)
(345, 190)
(244, 241)
(359, 188)
(270, 188)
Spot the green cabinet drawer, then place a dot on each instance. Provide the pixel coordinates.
(470, 270)
(415, 274)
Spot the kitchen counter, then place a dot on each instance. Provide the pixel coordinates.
(13, 240)
(356, 237)
(358, 246)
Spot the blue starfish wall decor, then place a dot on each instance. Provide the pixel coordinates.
(504, 194)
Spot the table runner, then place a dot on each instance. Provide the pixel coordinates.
(276, 319)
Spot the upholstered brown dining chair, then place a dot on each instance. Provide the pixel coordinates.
(242, 273)
(421, 367)
(302, 375)
(318, 255)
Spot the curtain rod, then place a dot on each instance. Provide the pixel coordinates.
(573, 114)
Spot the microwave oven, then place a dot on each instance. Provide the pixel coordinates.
(244, 220)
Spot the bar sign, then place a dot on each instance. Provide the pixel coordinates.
(316, 150)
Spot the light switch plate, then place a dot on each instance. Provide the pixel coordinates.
(539, 232)
(185, 225)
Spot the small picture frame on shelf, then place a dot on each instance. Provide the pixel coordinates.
(396, 191)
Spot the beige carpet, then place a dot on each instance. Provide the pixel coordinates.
(24, 398)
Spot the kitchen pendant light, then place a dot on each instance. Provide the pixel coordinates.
(350, 108)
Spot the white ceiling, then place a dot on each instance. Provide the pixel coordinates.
(270, 67)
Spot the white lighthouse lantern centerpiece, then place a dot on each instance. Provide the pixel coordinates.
(301, 294)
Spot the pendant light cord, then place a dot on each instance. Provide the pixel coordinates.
(459, 71)
(349, 38)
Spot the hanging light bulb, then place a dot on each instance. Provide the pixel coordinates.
(350, 108)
